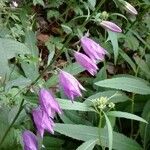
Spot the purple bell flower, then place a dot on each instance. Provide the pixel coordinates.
(110, 26)
(42, 121)
(86, 63)
(129, 8)
(29, 140)
(48, 103)
(70, 85)
(92, 49)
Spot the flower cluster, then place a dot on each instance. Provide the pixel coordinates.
(93, 53)
(43, 118)
(102, 103)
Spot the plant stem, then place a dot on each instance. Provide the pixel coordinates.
(12, 123)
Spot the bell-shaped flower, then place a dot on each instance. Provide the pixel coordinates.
(70, 85)
(110, 26)
(42, 121)
(48, 103)
(129, 8)
(86, 63)
(92, 49)
(29, 140)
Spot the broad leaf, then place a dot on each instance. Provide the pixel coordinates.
(129, 84)
(9, 49)
(121, 114)
(68, 105)
(86, 133)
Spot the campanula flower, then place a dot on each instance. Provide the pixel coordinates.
(92, 49)
(70, 85)
(110, 26)
(42, 121)
(86, 63)
(48, 103)
(29, 140)
(129, 8)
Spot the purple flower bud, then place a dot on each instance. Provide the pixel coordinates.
(29, 140)
(86, 63)
(92, 49)
(48, 103)
(70, 85)
(130, 8)
(42, 121)
(110, 26)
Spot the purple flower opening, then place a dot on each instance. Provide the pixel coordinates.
(110, 26)
(48, 103)
(70, 85)
(93, 49)
(42, 121)
(86, 63)
(29, 140)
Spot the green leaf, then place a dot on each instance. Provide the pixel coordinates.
(88, 145)
(69, 105)
(38, 2)
(144, 128)
(128, 60)
(66, 28)
(110, 132)
(92, 3)
(9, 49)
(20, 82)
(86, 133)
(129, 84)
(121, 114)
(142, 65)
(112, 36)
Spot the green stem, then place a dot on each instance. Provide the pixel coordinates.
(12, 123)
(100, 126)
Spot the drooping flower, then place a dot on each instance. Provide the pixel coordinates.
(29, 140)
(129, 8)
(70, 85)
(42, 121)
(48, 103)
(110, 26)
(92, 49)
(86, 63)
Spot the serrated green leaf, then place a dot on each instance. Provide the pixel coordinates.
(126, 115)
(9, 49)
(129, 84)
(88, 145)
(86, 133)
